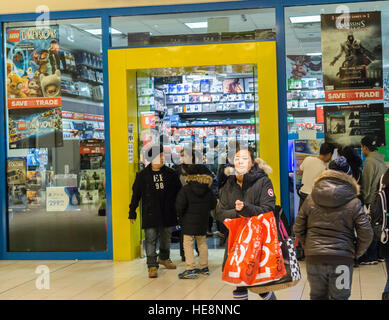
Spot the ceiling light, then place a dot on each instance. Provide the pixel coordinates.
(305, 19)
(197, 25)
(97, 32)
(314, 54)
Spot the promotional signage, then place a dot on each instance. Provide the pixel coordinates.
(16, 171)
(34, 87)
(347, 125)
(82, 116)
(352, 56)
(62, 198)
(303, 66)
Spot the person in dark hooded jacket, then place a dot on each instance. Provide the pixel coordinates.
(193, 205)
(325, 227)
(247, 192)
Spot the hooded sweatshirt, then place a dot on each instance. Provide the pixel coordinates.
(325, 223)
(373, 169)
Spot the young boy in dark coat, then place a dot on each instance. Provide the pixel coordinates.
(193, 205)
(157, 186)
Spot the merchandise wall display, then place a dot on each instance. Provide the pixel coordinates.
(352, 56)
(201, 105)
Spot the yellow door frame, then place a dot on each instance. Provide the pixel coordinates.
(123, 64)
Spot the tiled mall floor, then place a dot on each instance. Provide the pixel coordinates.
(129, 280)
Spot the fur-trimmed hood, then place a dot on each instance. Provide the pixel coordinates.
(260, 163)
(199, 183)
(334, 189)
(200, 178)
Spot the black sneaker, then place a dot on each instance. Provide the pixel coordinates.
(205, 271)
(188, 274)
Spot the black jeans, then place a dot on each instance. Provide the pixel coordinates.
(330, 282)
(152, 235)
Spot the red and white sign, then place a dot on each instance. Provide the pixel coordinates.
(82, 116)
(362, 94)
(26, 103)
(13, 35)
(92, 150)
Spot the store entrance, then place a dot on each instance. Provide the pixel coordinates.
(187, 94)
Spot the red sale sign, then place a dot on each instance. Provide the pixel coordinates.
(351, 95)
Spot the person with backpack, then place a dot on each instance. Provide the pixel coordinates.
(374, 167)
(247, 192)
(193, 205)
(379, 220)
(157, 186)
(325, 227)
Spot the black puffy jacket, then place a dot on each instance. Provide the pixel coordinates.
(257, 194)
(328, 219)
(194, 203)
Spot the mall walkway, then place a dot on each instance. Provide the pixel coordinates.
(128, 280)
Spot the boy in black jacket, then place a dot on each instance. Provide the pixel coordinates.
(157, 186)
(194, 203)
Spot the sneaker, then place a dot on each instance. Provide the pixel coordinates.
(372, 262)
(188, 274)
(381, 260)
(167, 263)
(153, 272)
(204, 271)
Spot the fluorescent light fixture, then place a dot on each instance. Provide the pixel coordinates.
(197, 25)
(97, 32)
(314, 54)
(305, 19)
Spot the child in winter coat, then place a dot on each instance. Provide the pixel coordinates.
(193, 205)
(325, 227)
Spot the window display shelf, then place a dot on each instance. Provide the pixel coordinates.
(230, 112)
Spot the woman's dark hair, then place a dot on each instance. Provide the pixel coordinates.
(369, 142)
(250, 150)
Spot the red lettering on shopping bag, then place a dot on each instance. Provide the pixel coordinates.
(254, 253)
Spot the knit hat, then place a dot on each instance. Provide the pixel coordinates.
(340, 164)
(154, 152)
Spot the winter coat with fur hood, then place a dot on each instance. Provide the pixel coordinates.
(326, 222)
(194, 203)
(257, 193)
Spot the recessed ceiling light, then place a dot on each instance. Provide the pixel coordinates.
(97, 32)
(314, 54)
(197, 25)
(305, 19)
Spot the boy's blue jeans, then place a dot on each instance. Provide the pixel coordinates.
(152, 235)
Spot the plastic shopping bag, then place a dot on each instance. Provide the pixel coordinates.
(254, 254)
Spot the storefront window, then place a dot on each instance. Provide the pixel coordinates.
(337, 79)
(200, 27)
(55, 137)
(208, 106)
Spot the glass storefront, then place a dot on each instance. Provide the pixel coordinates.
(55, 150)
(315, 56)
(55, 137)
